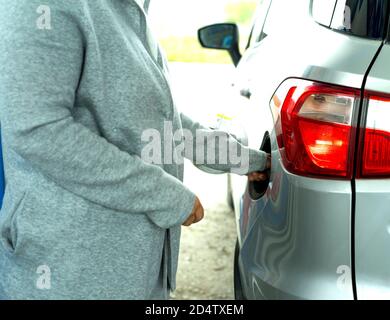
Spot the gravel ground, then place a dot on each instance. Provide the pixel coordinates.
(207, 249)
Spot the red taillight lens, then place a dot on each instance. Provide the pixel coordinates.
(327, 145)
(376, 152)
(314, 127)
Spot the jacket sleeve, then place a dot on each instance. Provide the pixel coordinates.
(39, 74)
(220, 151)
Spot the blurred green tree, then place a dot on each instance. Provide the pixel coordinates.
(186, 48)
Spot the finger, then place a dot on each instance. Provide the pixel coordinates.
(269, 163)
(257, 176)
(199, 215)
(186, 224)
(252, 177)
(189, 221)
(261, 177)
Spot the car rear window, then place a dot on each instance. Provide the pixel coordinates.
(363, 18)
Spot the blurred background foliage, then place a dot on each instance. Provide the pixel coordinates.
(176, 23)
(240, 12)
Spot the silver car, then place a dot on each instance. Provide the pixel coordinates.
(313, 89)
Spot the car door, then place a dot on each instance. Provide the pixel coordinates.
(372, 215)
(243, 109)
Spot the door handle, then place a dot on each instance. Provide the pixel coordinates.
(246, 93)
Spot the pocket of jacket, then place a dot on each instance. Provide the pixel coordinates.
(8, 228)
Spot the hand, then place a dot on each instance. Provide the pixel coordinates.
(260, 176)
(196, 215)
(257, 176)
(269, 162)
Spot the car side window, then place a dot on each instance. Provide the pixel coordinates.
(257, 29)
(322, 11)
(283, 14)
(363, 18)
(388, 32)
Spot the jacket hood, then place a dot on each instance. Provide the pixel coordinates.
(144, 4)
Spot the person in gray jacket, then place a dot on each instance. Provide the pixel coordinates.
(85, 214)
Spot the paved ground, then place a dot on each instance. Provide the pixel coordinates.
(206, 257)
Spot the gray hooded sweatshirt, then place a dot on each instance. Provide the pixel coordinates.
(84, 216)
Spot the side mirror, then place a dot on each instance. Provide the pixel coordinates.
(222, 36)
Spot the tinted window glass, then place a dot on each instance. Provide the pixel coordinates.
(364, 18)
(388, 29)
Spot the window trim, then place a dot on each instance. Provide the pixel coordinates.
(331, 17)
(262, 27)
(385, 32)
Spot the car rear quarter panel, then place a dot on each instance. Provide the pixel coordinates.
(296, 240)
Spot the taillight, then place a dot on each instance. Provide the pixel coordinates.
(313, 123)
(376, 150)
